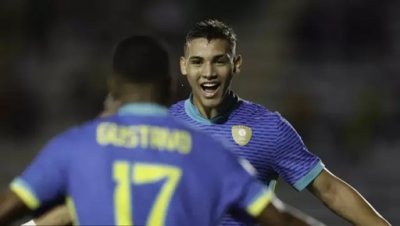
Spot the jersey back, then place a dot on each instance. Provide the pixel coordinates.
(140, 170)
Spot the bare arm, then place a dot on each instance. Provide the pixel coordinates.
(280, 214)
(11, 207)
(345, 201)
(56, 216)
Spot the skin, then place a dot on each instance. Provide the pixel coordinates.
(57, 217)
(275, 214)
(209, 61)
(341, 198)
(110, 106)
(12, 207)
(214, 60)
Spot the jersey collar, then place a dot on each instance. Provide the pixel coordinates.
(193, 112)
(143, 109)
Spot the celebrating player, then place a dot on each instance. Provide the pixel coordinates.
(140, 166)
(262, 137)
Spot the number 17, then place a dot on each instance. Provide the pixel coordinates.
(143, 173)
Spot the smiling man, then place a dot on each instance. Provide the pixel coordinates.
(211, 60)
(259, 135)
(140, 166)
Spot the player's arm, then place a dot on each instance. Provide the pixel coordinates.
(337, 195)
(42, 181)
(56, 216)
(11, 207)
(259, 201)
(279, 213)
(60, 215)
(344, 200)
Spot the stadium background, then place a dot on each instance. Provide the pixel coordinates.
(331, 67)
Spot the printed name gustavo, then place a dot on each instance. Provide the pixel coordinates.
(144, 137)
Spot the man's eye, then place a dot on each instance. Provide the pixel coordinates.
(196, 62)
(221, 61)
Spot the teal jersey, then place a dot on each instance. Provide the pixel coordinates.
(141, 167)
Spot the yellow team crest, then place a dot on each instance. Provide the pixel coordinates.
(241, 134)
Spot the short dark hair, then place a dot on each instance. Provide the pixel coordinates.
(141, 59)
(212, 29)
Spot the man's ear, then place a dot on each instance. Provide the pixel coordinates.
(237, 64)
(112, 87)
(182, 64)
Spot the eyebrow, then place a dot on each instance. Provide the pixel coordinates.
(215, 57)
(195, 57)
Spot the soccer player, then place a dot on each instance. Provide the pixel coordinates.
(140, 166)
(263, 137)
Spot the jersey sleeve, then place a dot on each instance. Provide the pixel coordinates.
(45, 178)
(293, 162)
(242, 188)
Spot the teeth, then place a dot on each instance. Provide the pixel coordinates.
(209, 85)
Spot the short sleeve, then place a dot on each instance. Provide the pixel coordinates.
(293, 162)
(242, 188)
(45, 178)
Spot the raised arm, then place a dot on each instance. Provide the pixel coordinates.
(345, 201)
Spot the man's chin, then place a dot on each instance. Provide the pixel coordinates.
(211, 102)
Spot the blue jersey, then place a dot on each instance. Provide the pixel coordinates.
(141, 167)
(262, 137)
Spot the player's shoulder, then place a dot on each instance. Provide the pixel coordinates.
(204, 144)
(264, 117)
(80, 131)
(199, 136)
(255, 110)
(196, 132)
(178, 105)
(177, 108)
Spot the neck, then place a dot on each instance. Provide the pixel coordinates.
(212, 112)
(141, 94)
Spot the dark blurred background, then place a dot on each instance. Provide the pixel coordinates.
(330, 67)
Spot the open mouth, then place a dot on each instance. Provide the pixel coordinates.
(210, 88)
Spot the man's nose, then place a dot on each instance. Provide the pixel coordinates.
(208, 71)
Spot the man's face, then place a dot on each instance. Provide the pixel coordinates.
(209, 67)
